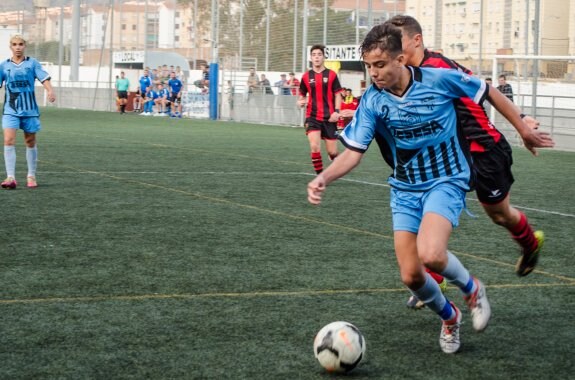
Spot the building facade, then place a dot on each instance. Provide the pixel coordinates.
(473, 31)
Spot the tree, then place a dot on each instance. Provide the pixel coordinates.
(339, 31)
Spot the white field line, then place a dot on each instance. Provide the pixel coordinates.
(300, 173)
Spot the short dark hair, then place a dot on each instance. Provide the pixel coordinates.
(407, 24)
(318, 47)
(488, 79)
(386, 37)
(502, 76)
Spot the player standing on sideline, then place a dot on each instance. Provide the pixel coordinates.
(323, 103)
(20, 108)
(122, 87)
(145, 82)
(490, 151)
(412, 111)
(175, 94)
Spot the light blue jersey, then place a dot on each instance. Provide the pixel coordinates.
(19, 81)
(419, 130)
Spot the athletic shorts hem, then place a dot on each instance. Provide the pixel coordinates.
(493, 173)
(328, 129)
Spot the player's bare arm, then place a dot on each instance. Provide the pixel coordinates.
(50, 92)
(334, 117)
(345, 163)
(532, 137)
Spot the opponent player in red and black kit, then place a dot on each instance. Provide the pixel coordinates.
(490, 151)
(320, 90)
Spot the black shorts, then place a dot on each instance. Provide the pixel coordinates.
(175, 99)
(493, 172)
(328, 130)
(122, 94)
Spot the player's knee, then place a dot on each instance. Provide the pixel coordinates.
(412, 279)
(501, 217)
(433, 258)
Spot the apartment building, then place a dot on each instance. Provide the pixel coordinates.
(473, 31)
(377, 12)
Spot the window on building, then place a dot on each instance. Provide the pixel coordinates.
(134, 27)
(123, 26)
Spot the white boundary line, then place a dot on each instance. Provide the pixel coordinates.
(301, 173)
(469, 199)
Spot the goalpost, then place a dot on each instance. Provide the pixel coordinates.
(544, 87)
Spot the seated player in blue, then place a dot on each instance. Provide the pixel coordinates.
(20, 108)
(162, 100)
(411, 110)
(175, 86)
(149, 101)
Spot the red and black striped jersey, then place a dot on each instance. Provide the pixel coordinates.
(322, 89)
(476, 126)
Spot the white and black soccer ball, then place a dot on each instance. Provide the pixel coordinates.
(339, 346)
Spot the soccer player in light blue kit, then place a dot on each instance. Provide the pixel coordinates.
(18, 74)
(411, 112)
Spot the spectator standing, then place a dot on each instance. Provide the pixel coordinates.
(505, 88)
(348, 107)
(230, 92)
(252, 81)
(204, 82)
(180, 74)
(282, 85)
(284, 103)
(265, 85)
(155, 76)
(293, 83)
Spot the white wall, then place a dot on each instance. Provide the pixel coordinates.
(5, 34)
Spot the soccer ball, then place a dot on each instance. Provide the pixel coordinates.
(339, 346)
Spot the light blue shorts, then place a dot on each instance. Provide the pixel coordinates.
(29, 124)
(408, 208)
